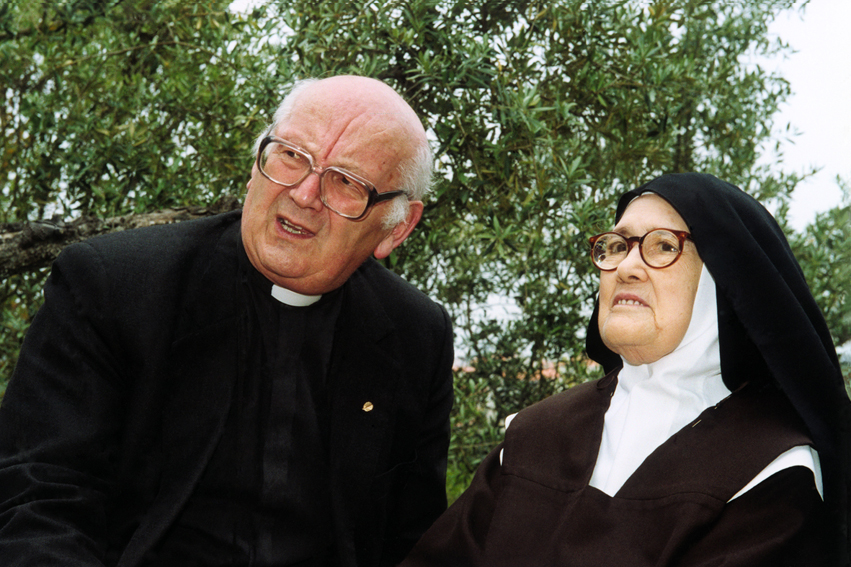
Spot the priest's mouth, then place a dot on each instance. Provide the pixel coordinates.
(293, 229)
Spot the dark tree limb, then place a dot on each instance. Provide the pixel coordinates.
(26, 247)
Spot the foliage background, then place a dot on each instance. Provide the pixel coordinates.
(541, 114)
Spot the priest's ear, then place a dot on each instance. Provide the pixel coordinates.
(400, 232)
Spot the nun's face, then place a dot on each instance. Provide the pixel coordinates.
(644, 311)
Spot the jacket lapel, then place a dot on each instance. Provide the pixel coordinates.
(362, 382)
(206, 360)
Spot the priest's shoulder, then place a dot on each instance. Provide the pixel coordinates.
(157, 247)
(393, 291)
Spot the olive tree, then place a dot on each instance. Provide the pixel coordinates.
(540, 112)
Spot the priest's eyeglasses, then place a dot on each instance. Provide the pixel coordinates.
(342, 191)
(659, 248)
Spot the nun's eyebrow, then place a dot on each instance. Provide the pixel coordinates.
(627, 230)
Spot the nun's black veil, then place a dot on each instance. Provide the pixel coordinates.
(770, 328)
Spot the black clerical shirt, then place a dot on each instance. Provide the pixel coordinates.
(263, 501)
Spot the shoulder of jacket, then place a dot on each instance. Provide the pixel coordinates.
(397, 294)
(154, 248)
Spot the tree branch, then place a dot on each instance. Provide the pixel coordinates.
(25, 247)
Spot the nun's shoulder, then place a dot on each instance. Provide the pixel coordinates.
(581, 401)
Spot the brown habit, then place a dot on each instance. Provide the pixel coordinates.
(536, 509)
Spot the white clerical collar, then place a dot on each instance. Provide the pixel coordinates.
(292, 298)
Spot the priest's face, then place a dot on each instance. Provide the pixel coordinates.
(290, 236)
(645, 312)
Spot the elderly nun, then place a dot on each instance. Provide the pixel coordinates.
(720, 433)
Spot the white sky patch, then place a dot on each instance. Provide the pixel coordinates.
(820, 108)
(243, 6)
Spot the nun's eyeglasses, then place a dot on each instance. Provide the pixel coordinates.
(659, 248)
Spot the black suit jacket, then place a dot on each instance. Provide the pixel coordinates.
(125, 379)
